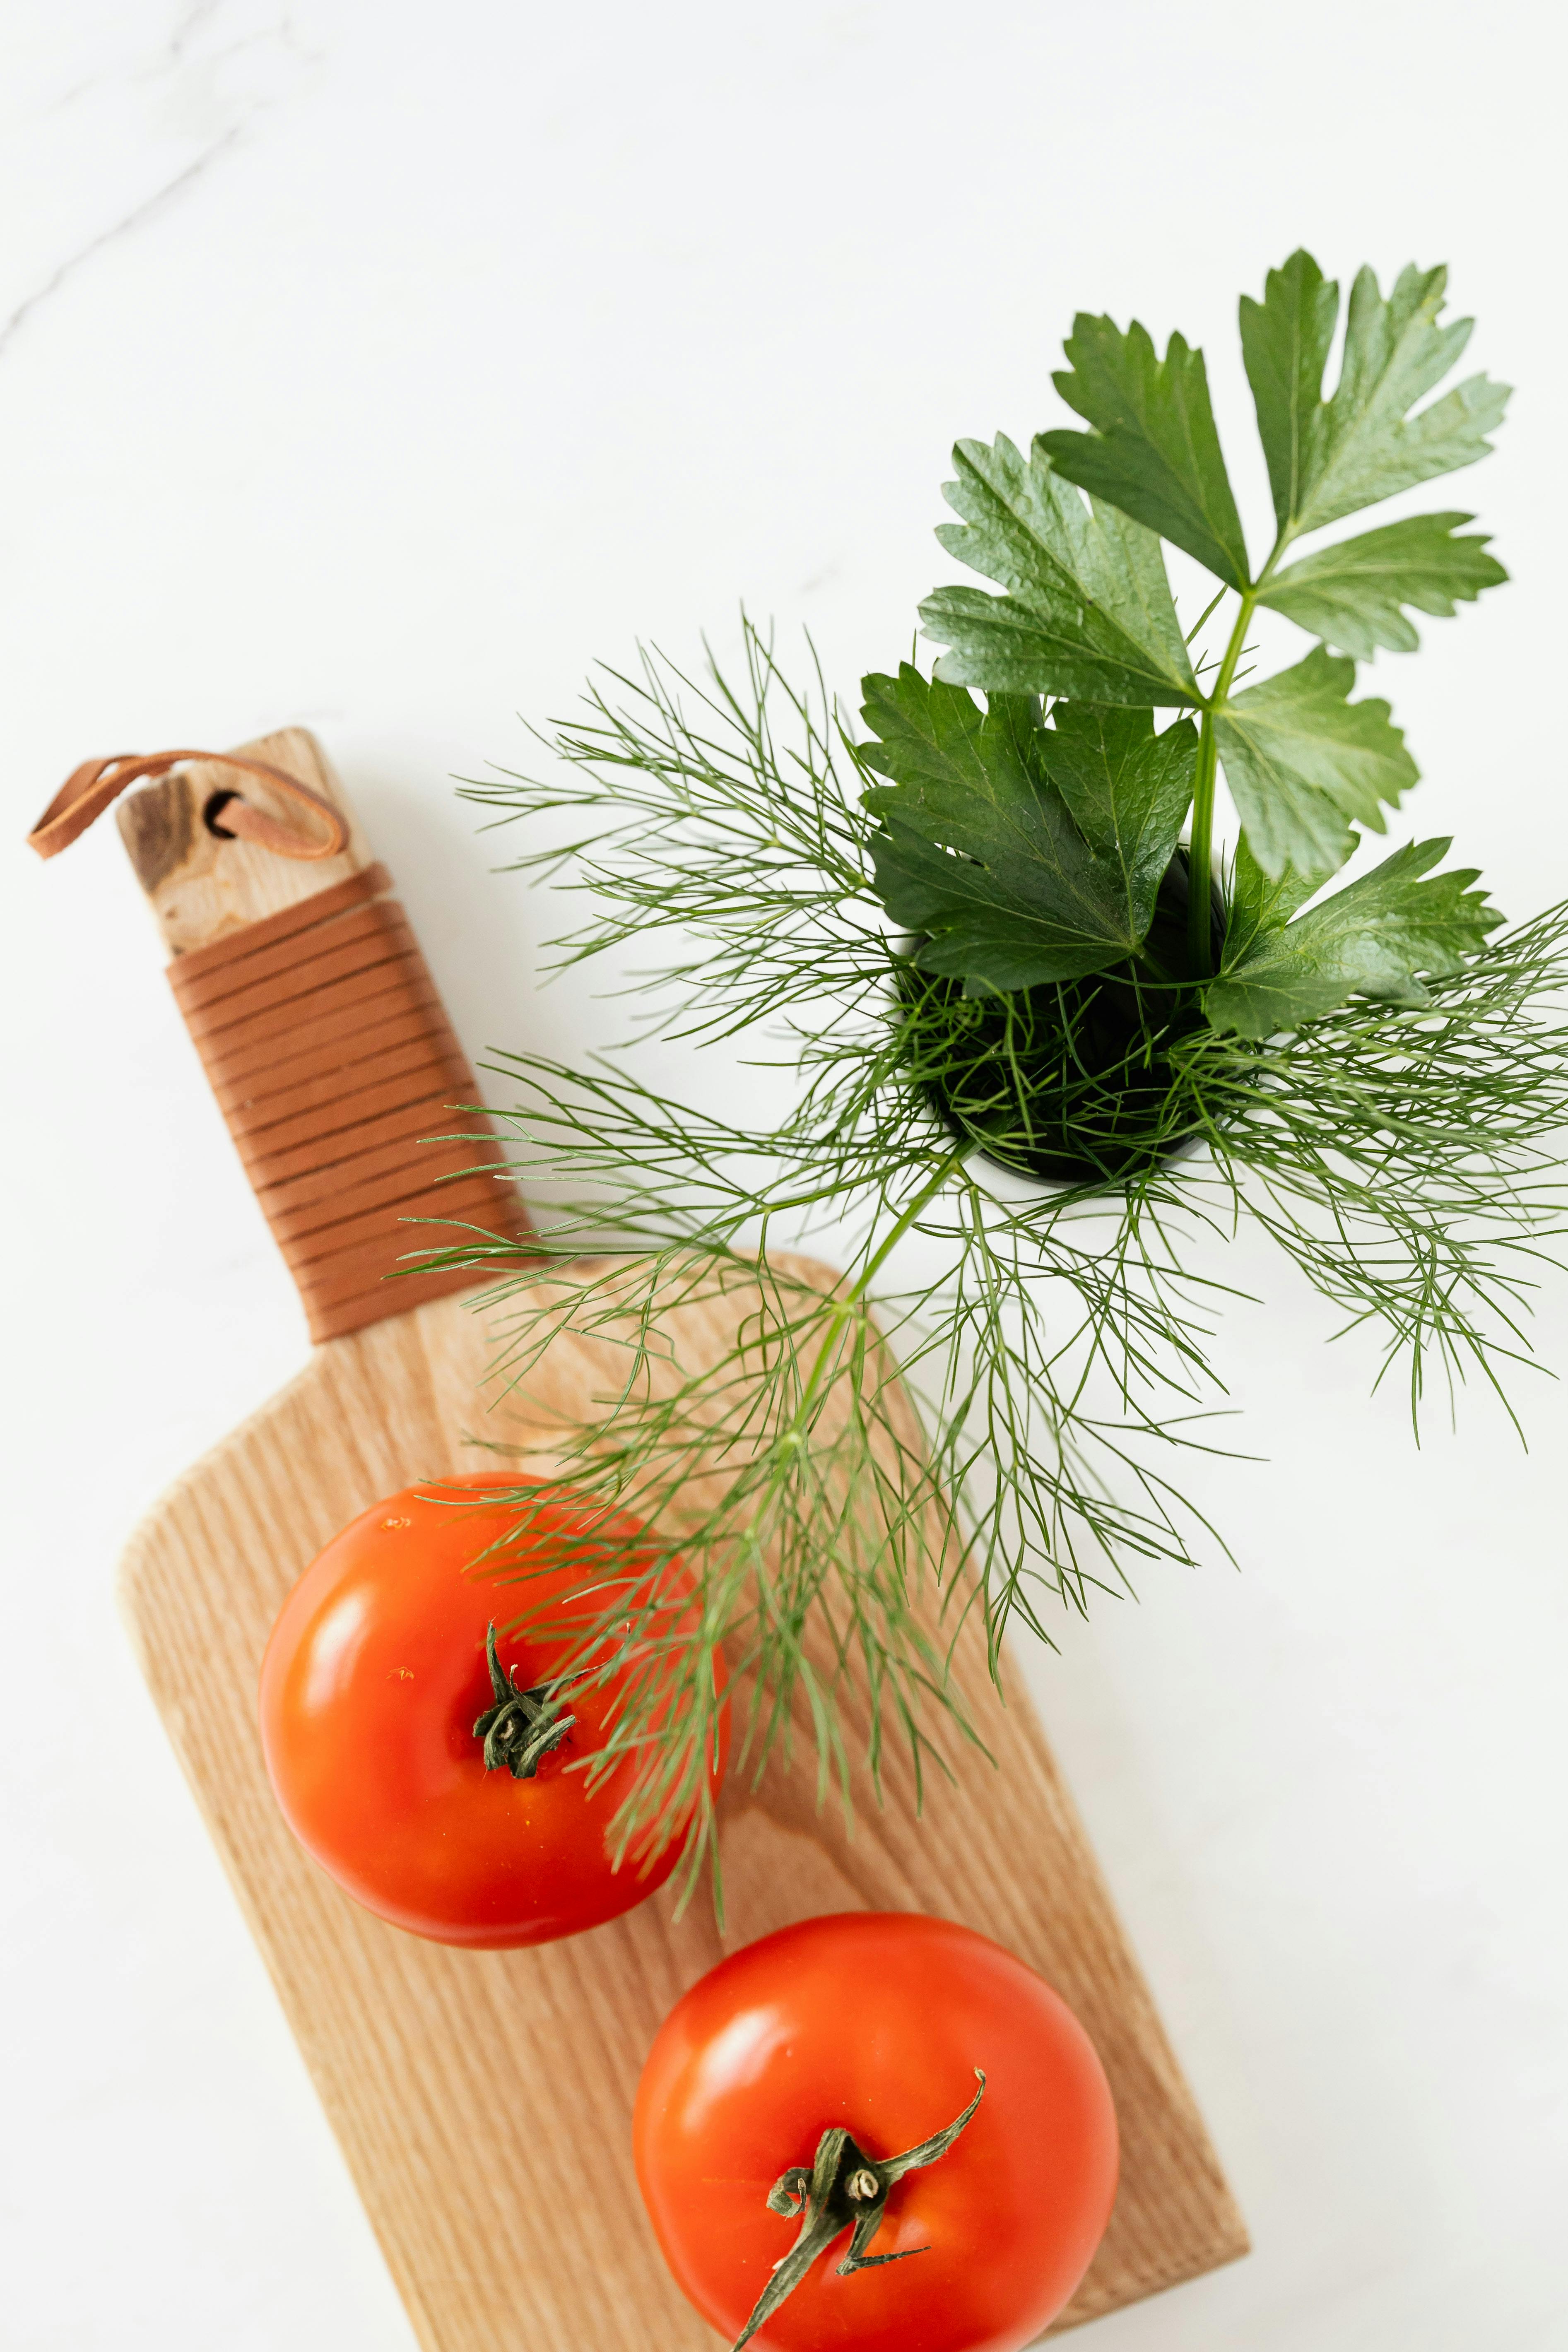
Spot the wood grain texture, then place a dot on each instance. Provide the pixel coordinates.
(202, 886)
(435, 2066)
(424, 2056)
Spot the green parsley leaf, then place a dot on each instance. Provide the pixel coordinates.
(1089, 614)
(979, 847)
(1301, 760)
(1326, 459)
(1371, 938)
(1261, 902)
(1128, 791)
(1353, 594)
(1285, 344)
(1154, 451)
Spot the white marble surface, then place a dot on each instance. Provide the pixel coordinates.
(378, 365)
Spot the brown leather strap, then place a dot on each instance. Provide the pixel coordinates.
(345, 1089)
(89, 790)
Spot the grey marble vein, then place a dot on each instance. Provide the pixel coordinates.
(133, 220)
(174, 54)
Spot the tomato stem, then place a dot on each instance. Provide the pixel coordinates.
(524, 1726)
(844, 2189)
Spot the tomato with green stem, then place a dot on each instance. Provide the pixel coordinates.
(823, 2170)
(441, 1769)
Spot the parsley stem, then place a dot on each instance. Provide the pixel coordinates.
(1200, 855)
(1200, 852)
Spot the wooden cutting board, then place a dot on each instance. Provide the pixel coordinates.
(436, 2067)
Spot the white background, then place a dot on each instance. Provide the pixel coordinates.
(379, 365)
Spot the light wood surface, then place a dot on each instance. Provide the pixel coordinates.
(438, 2068)
(200, 886)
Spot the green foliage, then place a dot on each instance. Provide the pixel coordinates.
(1301, 760)
(1364, 446)
(1260, 902)
(1058, 1334)
(1154, 451)
(1020, 853)
(1088, 611)
(1328, 458)
(1284, 341)
(1032, 1038)
(1353, 594)
(1371, 939)
(1304, 762)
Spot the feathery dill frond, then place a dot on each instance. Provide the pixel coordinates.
(1068, 1180)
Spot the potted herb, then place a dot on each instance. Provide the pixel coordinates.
(1041, 1032)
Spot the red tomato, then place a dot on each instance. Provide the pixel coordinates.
(372, 1680)
(878, 2022)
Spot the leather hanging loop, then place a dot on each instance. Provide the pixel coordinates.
(89, 790)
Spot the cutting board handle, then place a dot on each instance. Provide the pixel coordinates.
(348, 1096)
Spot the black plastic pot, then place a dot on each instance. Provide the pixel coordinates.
(1071, 1082)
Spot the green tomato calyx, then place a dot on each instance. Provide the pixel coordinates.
(843, 2189)
(524, 1726)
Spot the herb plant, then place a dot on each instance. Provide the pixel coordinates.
(1043, 1036)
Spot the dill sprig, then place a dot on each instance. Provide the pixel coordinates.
(1401, 1157)
(1042, 1060)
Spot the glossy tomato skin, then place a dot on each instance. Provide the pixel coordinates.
(371, 1684)
(877, 2020)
